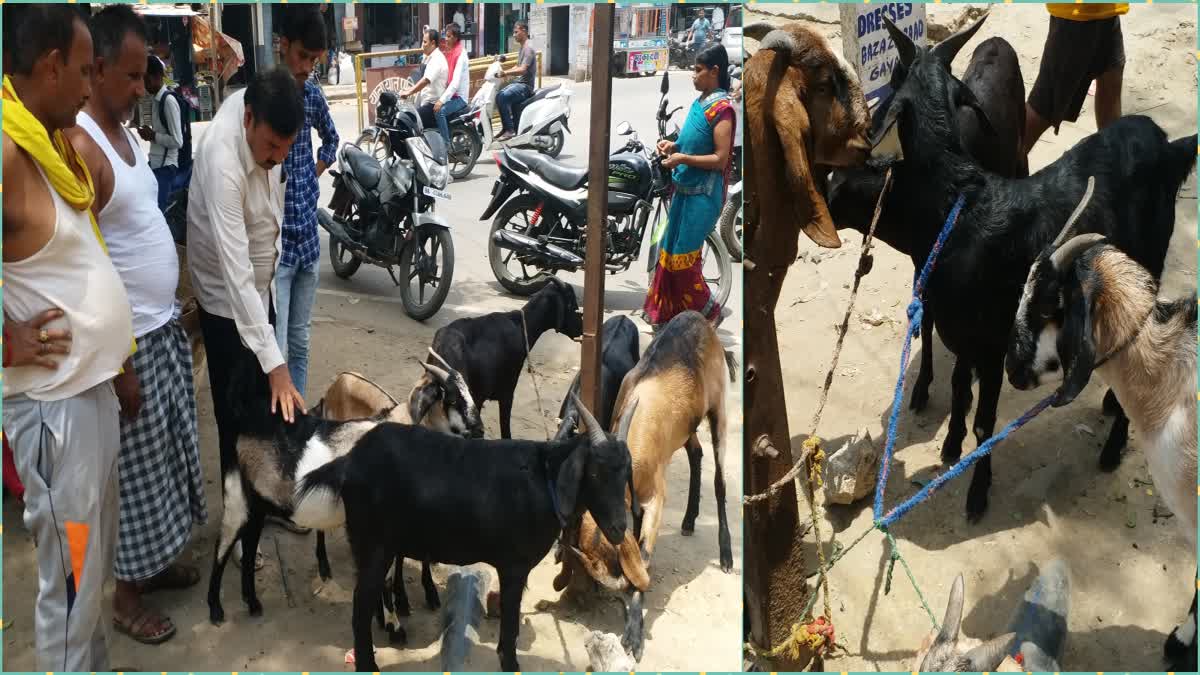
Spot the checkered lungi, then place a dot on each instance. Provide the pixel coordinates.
(162, 489)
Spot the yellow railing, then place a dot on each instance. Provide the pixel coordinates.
(475, 71)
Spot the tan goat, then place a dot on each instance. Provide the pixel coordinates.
(805, 113)
(679, 381)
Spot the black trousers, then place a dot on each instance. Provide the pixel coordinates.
(225, 354)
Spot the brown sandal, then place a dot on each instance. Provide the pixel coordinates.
(136, 627)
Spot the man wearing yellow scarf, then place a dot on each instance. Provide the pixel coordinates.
(1084, 44)
(62, 294)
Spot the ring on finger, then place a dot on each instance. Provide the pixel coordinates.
(43, 336)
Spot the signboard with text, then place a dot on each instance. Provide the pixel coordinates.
(869, 48)
(647, 61)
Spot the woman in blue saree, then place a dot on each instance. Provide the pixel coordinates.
(700, 161)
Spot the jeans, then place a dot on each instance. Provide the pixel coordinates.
(166, 183)
(296, 290)
(448, 108)
(506, 99)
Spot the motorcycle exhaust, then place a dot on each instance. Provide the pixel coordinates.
(547, 255)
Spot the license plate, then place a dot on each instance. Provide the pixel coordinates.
(437, 194)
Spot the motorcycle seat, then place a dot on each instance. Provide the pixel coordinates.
(556, 173)
(465, 112)
(365, 168)
(542, 93)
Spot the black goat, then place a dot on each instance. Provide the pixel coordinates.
(973, 293)
(620, 351)
(408, 491)
(490, 350)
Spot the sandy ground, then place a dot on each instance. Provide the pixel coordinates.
(692, 608)
(1130, 569)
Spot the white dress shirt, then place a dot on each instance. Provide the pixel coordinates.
(437, 72)
(235, 208)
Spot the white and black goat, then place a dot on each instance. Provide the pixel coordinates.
(273, 455)
(409, 491)
(975, 288)
(1035, 641)
(1087, 307)
(490, 350)
(679, 382)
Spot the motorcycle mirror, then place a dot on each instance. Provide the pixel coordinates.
(624, 129)
(666, 84)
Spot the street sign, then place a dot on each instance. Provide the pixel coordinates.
(867, 45)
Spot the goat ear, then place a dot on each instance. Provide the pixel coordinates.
(632, 563)
(904, 45)
(1076, 340)
(963, 96)
(987, 656)
(782, 136)
(421, 400)
(947, 49)
(570, 481)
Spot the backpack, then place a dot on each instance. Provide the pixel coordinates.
(185, 123)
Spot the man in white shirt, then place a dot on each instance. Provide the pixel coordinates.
(433, 81)
(165, 135)
(234, 218)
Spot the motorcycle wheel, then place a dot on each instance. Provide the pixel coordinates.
(380, 148)
(423, 268)
(517, 209)
(344, 262)
(465, 150)
(730, 226)
(557, 140)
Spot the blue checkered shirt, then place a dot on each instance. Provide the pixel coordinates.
(301, 246)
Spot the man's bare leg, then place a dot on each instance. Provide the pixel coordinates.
(1035, 126)
(1108, 97)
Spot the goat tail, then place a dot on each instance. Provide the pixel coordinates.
(732, 362)
(1183, 159)
(318, 498)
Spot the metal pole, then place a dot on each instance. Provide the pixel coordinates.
(593, 277)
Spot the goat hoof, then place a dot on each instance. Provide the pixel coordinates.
(216, 615)
(510, 665)
(255, 607)
(634, 646)
(404, 610)
(919, 399)
(976, 507)
(366, 666)
(951, 452)
(688, 528)
(1110, 461)
(727, 561)
(397, 637)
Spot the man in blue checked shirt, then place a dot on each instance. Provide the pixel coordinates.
(301, 43)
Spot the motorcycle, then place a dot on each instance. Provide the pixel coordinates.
(383, 212)
(541, 120)
(730, 222)
(544, 225)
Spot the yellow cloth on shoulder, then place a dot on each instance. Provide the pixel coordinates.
(63, 166)
(1087, 11)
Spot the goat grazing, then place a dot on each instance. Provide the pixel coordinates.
(407, 490)
(273, 455)
(490, 350)
(975, 287)
(795, 66)
(678, 382)
(1088, 307)
(1038, 631)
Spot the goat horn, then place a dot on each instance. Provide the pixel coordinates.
(904, 45)
(758, 30)
(954, 606)
(1066, 254)
(947, 49)
(780, 41)
(626, 421)
(1087, 197)
(439, 358)
(441, 375)
(595, 431)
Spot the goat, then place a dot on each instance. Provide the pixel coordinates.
(678, 382)
(974, 290)
(1089, 307)
(620, 353)
(490, 350)
(407, 490)
(804, 108)
(352, 396)
(1037, 633)
(273, 455)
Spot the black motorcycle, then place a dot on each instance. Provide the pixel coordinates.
(543, 228)
(382, 212)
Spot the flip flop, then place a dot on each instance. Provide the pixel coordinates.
(175, 577)
(144, 616)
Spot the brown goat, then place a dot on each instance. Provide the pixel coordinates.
(806, 113)
(679, 381)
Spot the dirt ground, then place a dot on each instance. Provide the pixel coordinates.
(1130, 569)
(692, 607)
